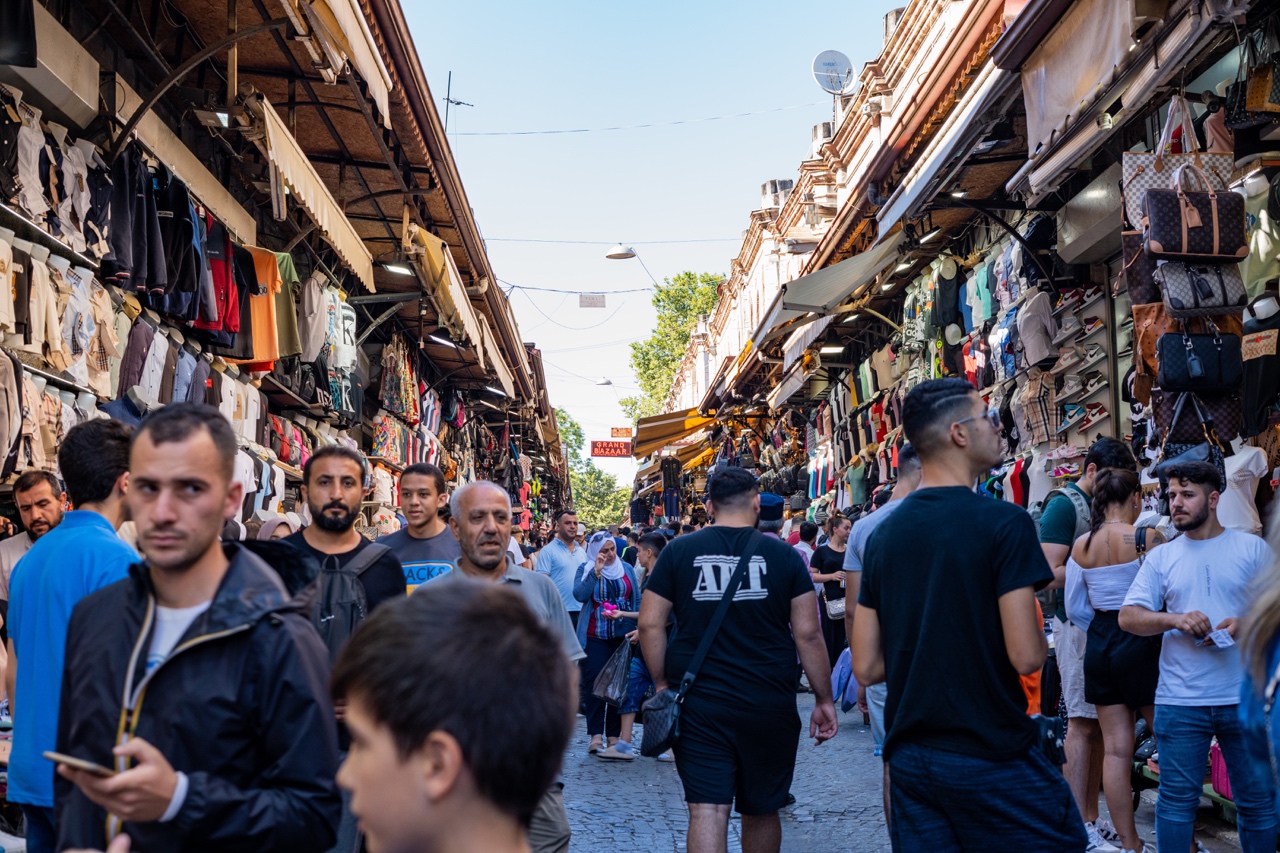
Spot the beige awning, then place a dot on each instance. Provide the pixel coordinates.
(311, 193)
(499, 366)
(344, 24)
(655, 433)
(456, 313)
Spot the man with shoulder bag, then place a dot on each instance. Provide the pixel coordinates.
(744, 607)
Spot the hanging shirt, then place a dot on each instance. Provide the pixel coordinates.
(286, 310)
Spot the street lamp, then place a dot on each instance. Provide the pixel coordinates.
(620, 253)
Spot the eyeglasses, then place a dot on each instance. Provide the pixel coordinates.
(992, 417)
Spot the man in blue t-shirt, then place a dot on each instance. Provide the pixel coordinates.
(562, 557)
(81, 555)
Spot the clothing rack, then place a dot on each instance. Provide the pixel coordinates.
(25, 229)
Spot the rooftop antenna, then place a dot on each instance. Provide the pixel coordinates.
(449, 100)
(834, 74)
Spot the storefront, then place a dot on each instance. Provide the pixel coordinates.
(262, 216)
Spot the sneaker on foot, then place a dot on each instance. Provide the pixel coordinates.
(1105, 827)
(1098, 844)
(667, 757)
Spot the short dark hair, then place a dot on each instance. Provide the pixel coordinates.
(426, 469)
(1198, 473)
(653, 541)
(561, 513)
(687, 528)
(33, 477)
(92, 457)
(1108, 452)
(732, 487)
(179, 421)
(450, 661)
(333, 451)
(908, 459)
(930, 405)
(624, 530)
(808, 531)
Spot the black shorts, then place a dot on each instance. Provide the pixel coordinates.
(1119, 668)
(729, 755)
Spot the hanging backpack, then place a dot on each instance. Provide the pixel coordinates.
(341, 604)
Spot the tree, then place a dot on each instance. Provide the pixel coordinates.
(656, 359)
(597, 497)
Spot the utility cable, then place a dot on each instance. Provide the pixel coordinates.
(639, 126)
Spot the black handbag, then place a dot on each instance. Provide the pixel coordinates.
(662, 712)
(1200, 363)
(1175, 453)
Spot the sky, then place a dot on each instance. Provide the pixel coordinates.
(574, 65)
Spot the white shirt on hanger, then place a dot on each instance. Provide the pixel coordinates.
(1237, 508)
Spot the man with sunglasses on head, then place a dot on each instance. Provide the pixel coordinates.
(947, 617)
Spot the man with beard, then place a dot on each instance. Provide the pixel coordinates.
(198, 679)
(79, 556)
(1193, 590)
(334, 484)
(40, 500)
(333, 487)
(480, 517)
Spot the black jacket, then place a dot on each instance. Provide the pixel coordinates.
(241, 705)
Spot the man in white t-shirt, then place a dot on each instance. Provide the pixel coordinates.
(1194, 590)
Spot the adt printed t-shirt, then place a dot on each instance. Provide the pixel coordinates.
(423, 559)
(1217, 577)
(934, 571)
(752, 663)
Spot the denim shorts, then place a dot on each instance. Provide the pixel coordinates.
(639, 686)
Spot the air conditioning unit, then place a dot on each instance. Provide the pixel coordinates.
(773, 194)
(821, 135)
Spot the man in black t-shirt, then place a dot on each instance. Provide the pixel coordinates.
(947, 616)
(738, 725)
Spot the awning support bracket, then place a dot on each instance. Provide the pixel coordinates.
(181, 71)
(1013, 232)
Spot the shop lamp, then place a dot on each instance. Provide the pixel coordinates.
(855, 315)
(211, 116)
(442, 341)
(831, 350)
(932, 235)
(959, 193)
(398, 267)
(492, 390)
(620, 253)
(888, 285)
(904, 266)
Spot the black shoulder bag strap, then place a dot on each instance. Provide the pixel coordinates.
(369, 555)
(753, 543)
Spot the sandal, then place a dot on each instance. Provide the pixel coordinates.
(596, 745)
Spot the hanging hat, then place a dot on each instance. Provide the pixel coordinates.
(948, 268)
(954, 334)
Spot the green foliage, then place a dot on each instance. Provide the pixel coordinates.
(597, 497)
(656, 359)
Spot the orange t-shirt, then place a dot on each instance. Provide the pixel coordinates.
(1031, 683)
(262, 311)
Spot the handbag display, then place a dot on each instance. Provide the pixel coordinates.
(1263, 86)
(1188, 224)
(1199, 363)
(1151, 321)
(1208, 450)
(1142, 171)
(662, 712)
(1139, 270)
(1225, 410)
(1201, 290)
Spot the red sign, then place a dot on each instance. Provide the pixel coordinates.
(611, 448)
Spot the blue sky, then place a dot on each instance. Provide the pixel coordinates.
(590, 65)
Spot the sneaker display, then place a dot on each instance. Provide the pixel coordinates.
(1073, 385)
(1073, 413)
(1093, 354)
(1067, 359)
(1066, 451)
(1091, 325)
(1070, 328)
(1095, 413)
(1070, 300)
(1092, 382)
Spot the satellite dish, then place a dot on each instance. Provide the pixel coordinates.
(834, 72)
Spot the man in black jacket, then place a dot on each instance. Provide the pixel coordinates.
(224, 739)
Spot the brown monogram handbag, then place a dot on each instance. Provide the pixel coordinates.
(1188, 224)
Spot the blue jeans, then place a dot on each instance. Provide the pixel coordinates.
(942, 800)
(639, 684)
(42, 835)
(1183, 734)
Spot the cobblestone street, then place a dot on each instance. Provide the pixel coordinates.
(639, 805)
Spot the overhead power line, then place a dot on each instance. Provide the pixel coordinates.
(639, 126)
(612, 242)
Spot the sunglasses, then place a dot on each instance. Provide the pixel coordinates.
(992, 416)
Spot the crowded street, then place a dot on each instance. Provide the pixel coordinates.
(698, 427)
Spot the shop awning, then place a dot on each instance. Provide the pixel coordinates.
(800, 340)
(456, 313)
(953, 141)
(790, 384)
(690, 457)
(300, 177)
(655, 433)
(818, 293)
(1069, 138)
(499, 366)
(343, 25)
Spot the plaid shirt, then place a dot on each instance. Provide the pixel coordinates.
(1040, 415)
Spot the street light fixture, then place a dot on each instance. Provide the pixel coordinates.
(620, 253)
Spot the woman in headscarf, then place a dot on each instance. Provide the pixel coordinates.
(603, 580)
(274, 528)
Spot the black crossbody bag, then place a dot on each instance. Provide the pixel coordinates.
(662, 712)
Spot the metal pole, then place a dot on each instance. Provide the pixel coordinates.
(233, 53)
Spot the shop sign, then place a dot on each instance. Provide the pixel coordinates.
(590, 300)
(617, 449)
(620, 432)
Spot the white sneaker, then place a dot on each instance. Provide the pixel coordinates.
(1098, 844)
(1105, 828)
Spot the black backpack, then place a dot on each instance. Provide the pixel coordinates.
(341, 604)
